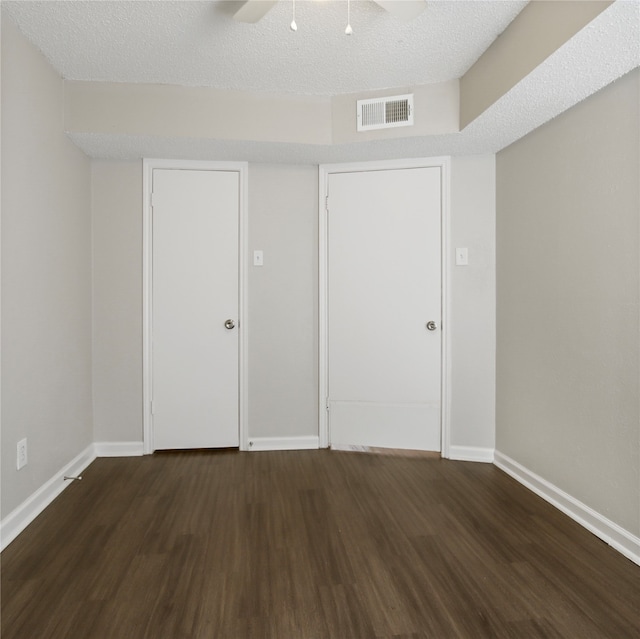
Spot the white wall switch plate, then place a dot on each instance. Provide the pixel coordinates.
(258, 258)
(22, 454)
(462, 257)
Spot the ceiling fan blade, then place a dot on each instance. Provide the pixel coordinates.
(253, 10)
(403, 9)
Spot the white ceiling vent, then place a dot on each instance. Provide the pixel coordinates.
(385, 113)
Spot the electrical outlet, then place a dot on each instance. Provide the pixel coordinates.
(22, 453)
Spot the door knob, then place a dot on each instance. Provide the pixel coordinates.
(229, 324)
(431, 326)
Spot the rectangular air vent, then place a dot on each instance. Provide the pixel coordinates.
(385, 113)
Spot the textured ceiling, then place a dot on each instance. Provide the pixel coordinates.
(199, 44)
(603, 51)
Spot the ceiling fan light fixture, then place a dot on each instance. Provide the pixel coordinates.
(253, 11)
(348, 30)
(293, 26)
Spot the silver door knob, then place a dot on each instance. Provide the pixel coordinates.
(229, 324)
(431, 326)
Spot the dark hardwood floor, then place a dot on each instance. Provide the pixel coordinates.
(310, 544)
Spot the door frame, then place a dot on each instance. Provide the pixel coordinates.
(324, 172)
(242, 168)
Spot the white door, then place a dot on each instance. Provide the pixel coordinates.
(384, 287)
(194, 354)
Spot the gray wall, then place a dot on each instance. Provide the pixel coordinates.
(568, 269)
(473, 304)
(283, 294)
(46, 276)
(116, 192)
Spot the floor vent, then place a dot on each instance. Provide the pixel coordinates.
(385, 113)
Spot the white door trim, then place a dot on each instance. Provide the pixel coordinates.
(242, 168)
(324, 171)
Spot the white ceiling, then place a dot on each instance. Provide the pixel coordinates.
(199, 44)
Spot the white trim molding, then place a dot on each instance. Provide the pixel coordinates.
(617, 537)
(351, 448)
(242, 168)
(17, 520)
(324, 171)
(446, 275)
(119, 449)
(471, 453)
(283, 443)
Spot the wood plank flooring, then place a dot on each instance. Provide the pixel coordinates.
(310, 544)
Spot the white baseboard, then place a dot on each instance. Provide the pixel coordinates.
(16, 521)
(283, 443)
(616, 536)
(471, 453)
(118, 449)
(355, 448)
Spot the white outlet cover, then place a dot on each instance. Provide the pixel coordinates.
(21, 454)
(462, 257)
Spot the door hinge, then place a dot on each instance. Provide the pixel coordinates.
(151, 408)
(326, 203)
(152, 199)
